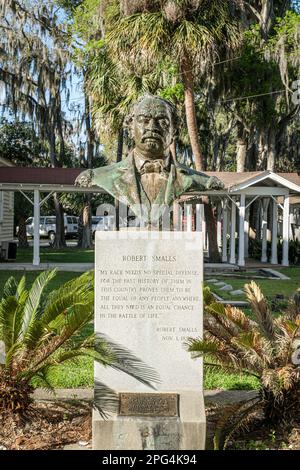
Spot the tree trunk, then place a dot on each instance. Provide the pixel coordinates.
(262, 149)
(211, 227)
(84, 225)
(89, 132)
(267, 16)
(241, 149)
(59, 241)
(22, 235)
(190, 111)
(85, 219)
(119, 159)
(191, 121)
(271, 155)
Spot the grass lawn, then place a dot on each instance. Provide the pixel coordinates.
(51, 255)
(270, 287)
(60, 278)
(80, 373)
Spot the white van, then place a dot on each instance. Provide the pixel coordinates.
(48, 226)
(102, 222)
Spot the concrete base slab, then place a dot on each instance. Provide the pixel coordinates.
(228, 287)
(237, 292)
(276, 274)
(186, 432)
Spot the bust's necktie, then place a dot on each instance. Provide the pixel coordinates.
(153, 176)
(155, 166)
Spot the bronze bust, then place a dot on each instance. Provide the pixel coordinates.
(149, 177)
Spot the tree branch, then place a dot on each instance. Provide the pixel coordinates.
(238, 117)
(253, 10)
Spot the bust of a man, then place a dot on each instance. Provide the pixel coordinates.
(149, 176)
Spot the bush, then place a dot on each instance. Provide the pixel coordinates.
(39, 334)
(266, 349)
(255, 249)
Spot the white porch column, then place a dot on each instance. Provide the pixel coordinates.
(246, 225)
(274, 257)
(232, 233)
(204, 234)
(224, 233)
(241, 260)
(219, 226)
(286, 231)
(199, 217)
(189, 217)
(36, 233)
(265, 204)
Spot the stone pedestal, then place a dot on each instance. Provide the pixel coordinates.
(148, 288)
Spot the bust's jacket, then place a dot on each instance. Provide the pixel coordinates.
(121, 180)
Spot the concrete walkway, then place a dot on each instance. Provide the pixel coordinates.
(76, 267)
(210, 396)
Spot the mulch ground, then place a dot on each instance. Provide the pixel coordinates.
(52, 425)
(257, 435)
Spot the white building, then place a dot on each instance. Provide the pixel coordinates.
(6, 209)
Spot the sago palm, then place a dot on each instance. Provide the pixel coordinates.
(41, 331)
(265, 348)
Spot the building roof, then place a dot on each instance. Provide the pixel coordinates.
(252, 178)
(28, 175)
(230, 178)
(62, 179)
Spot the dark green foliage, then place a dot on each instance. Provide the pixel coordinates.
(20, 144)
(41, 332)
(255, 247)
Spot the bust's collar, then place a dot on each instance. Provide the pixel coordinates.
(139, 160)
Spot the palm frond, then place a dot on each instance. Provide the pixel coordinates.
(8, 311)
(33, 302)
(124, 361)
(75, 292)
(77, 318)
(41, 379)
(105, 399)
(233, 418)
(201, 347)
(21, 287)
(208, 296)
(260, 309)
(10, 288)
(256, 349)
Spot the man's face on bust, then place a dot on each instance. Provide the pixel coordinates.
(152, 128)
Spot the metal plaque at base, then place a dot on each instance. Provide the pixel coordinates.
(149, 404)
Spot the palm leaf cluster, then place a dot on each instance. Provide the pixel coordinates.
(39, 332)
(177, 28)
(265, 348)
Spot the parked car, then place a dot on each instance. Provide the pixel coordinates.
(105, 222)
(48, 226)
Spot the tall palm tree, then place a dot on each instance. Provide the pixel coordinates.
(191, 33)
